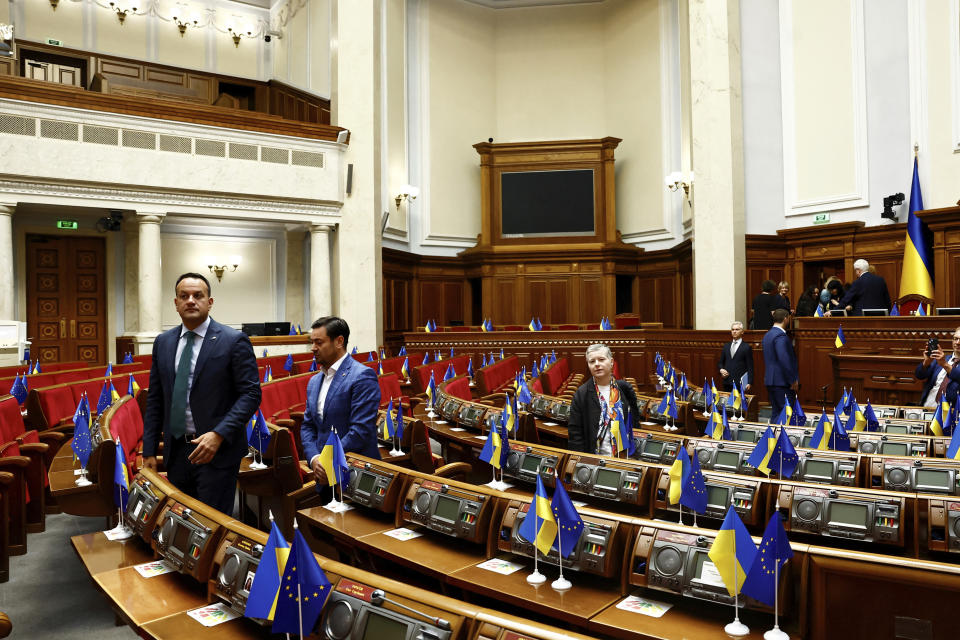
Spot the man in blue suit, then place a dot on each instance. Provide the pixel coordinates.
(781, 375)
(940, 373)
(868, 291)
(203, 390)
(343, 396)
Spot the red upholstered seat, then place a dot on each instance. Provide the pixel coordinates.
(390, 389)
(57, 405)
(459, 387)
(126, 423)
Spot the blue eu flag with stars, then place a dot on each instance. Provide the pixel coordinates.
(773, 553)
(569, 522)
(694, 494)
(303, 590)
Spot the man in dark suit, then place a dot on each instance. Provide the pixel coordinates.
(204, 388)
(868, 291)
(736, 359)
(343, 396)
(940, 373)
(588, 427)
(780, 376)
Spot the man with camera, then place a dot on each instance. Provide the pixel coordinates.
(941, 373)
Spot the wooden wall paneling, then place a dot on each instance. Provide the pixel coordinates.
(129, 69)
(666, 301)
(505, 309)
(452, 302)
(431, 302)
(591, 300)
(558, 296)
(537, 298)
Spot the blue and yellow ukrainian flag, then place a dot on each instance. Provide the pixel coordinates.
(262, 601)
(917, 275)
(539, 525)
(841, 339)
(733, 552)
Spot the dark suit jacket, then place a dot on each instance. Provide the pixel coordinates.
(763, 306)
(779, 359)
(869, 291)
(738, 364)
(224, 395)
(930, 375)
(584, 421)
(350, 408)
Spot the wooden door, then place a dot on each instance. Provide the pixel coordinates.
(66, 298)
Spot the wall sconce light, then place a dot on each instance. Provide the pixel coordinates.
(122, 13)
(219, 269)
(680, 180)
(54, 3)
(236, 35)
(407, 191)
(182, 25)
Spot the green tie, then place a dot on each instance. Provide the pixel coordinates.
(178, 408)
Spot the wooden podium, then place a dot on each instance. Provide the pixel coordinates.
(560, 276)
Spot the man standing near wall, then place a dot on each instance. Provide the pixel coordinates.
(780, 377)
(736, 359)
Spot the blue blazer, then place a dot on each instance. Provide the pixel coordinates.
(224, 395)
(869, 291)
(350, 409)
(930, 375)
(779, 358)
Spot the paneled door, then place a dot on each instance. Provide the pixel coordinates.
(66, 298)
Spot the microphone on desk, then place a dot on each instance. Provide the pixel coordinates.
(378, 597)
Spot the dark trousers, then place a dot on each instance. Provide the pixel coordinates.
(215, 486)
(778, 397)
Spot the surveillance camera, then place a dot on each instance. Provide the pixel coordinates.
(266, 38)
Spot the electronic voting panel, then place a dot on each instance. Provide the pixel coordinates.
(361, 612)
(187, 538)
(372, 485)
(559, 410)
(617, 479)
(540, 405)
(237, 558)
(723, 489)
(449, 408)
(916, 475)
(943, 523)
(655, 448)
(526, 462)
(887, 444)
(677, 561)
(471, 414)
(842, 512)
(456, 512)
(148, 491)
(716, 455)
(599, 550)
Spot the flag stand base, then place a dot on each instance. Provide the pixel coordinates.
(119, 532)
(536, 578)
(775, 634)
(561, 584)
(82, 481)
(257, 465)
(737, 628)
(396, 452)
(499, 485)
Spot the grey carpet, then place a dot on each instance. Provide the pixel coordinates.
(50, 594)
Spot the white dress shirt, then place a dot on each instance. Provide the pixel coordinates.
(201, 332)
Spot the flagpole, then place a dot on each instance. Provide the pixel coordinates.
(535, 578)
(561, 583)
(736, 628)
(776, 633)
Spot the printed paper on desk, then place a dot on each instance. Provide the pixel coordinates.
(480, 437)
(501, 566)
(403, 534)
(549, 424)
(154, 568)
(710, 575)
(213, 614)
(636, 604)
(457, 429)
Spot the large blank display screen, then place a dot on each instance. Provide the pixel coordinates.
(546, 203)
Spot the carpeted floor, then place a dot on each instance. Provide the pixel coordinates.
(50, 594)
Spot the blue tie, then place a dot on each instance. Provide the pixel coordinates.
(178, 407)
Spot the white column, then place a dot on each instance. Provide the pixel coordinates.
(357, 105)
(149, 282)
(716, 125)
(320, 302)
(7, 284)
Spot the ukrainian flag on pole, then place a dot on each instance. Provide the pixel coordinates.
(917, 276)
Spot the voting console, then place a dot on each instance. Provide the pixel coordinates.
(841, 512)
(456, 512)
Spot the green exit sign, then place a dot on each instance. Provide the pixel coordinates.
(67, 224)
(821, 218)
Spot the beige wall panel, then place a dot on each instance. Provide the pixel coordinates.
(633, 105)
(823, 99)
(295, 285)
(128, 40)
(281, 51)
(940, 190)
(320, 47)
(188, 51)
(297, 33)
(549, 73)
(461, 106)
(237, 60)
(41, 22)
(254, 280)
(396, 115)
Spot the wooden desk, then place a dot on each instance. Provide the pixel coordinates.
(99, 554)
(688, 619)
(349, 524)
(426, 554)
(588, 597)
(141, 600)
(181, 626)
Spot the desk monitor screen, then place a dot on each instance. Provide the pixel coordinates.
(818, 470)
(718, 496)
(252, 328)
(848, 514)
(727, 460)
(447, 508)
(897, 428)
(933, 480)
(746, 435)
(531, 463)
(366, 481)
(838, 312)
(608, 478)
(805, 443)
(546, 203)
(948, 311)
(653, 447)
(276, 328)
(894, 448)
(380, 627)
(875, 312)
(928, 415)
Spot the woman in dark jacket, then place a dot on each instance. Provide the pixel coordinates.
(589, 425)
(807, 304)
